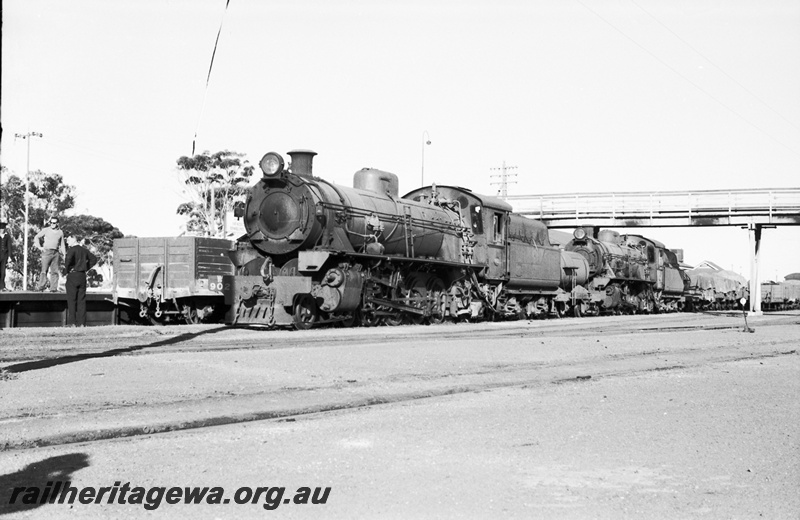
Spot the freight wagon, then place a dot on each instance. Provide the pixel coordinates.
(167, 280)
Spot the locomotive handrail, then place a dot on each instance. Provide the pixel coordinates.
(435, 226)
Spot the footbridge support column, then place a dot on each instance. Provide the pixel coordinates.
(755, 252)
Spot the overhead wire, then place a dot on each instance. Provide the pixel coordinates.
(659, 22)
(694, 84)
(208, 77)
(113, 161)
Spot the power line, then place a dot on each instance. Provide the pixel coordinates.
(716, 66)
(695, 85)
(503, 182)
(208, 78)
(114, 160)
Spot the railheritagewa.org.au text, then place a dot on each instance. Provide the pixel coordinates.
(153, 497)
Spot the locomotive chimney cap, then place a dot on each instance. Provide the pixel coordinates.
(312, 153)
(302, 161)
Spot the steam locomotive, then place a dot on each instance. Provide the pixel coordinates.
(318, 253)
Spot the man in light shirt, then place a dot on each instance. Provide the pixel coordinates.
(50, 241)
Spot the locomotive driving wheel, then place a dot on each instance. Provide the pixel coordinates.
(415, 297)
(368, 316)
(370, 319)
(437, 296)
(414, 294)
(306, 313)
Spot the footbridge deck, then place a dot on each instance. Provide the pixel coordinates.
(752, 209)
(779, 206)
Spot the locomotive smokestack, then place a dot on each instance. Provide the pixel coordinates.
(302, 161)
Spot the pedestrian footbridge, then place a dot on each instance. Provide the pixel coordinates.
(780, 206)
(751, 209)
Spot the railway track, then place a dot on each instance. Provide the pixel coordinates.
(402, 369)
(21, 349)
(530, 377)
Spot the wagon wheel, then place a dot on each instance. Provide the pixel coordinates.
(189, 313)
(156, 321)
(305, 312)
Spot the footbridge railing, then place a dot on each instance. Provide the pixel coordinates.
(665, 208)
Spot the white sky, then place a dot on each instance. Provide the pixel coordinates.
(579, 95)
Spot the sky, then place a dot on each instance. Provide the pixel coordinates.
(579, 95)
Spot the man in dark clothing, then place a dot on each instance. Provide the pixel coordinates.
(5, 252)
(78, 261)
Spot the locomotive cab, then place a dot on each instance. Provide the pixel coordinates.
(513, 249)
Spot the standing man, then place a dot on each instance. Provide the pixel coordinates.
(50, 241)
(5, 253)
(78, 261)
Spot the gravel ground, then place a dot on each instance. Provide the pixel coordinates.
(637, 417)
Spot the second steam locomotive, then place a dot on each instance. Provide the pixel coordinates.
(319, 253)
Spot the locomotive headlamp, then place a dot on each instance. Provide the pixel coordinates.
(579, 234)
(271, 164)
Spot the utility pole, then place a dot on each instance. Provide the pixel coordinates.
(504, 182)
(27, 136)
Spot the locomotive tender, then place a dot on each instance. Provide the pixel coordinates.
(319, 253)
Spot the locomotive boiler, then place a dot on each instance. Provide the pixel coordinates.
(316, 252)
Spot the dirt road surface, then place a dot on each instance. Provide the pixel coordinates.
(675, 416)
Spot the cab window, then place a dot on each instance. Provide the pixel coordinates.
(497, 226)
(477, 219)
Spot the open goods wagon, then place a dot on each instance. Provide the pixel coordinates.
(780, 296)
(171, 279)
